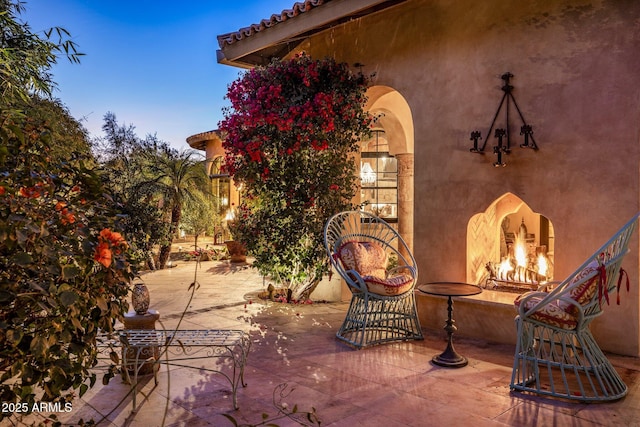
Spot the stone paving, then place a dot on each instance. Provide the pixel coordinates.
(389, 386)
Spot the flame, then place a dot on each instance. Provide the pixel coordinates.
(524, 263)
(542, 265)
(504, 268)
(520, 265)
(520, 254)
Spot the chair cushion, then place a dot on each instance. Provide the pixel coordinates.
(395, 285)
(561, 313)
(367, 258)
(553, 313)
(584, 292)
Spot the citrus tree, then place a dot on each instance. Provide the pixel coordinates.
(289, 136)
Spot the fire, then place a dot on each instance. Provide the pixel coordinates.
(505, 267)
(520, 253)
(523, 267)
(524, 262)
(542, 265)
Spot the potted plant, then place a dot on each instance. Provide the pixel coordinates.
(289, 139)
(236, 249)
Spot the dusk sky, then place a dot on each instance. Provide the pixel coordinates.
(151, 62)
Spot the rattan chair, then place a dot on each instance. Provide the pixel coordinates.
(381, 273)
(556, 354)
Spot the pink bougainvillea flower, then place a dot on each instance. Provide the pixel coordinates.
(255, 156)
(289, 135)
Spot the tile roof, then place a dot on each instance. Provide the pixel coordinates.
(243, 33)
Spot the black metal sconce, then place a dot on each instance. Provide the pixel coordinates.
(504, 147)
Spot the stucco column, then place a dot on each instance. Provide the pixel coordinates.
(405, 197)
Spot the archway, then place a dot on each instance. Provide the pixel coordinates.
(395, 121)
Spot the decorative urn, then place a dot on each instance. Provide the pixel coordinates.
(140, 298)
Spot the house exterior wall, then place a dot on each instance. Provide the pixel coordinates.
(575, 66)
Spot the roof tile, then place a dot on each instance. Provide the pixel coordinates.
(243, 33)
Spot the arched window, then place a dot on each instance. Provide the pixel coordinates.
(379, 178)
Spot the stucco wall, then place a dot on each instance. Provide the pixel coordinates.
(576, 66)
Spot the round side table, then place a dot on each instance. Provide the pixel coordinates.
(450, 358)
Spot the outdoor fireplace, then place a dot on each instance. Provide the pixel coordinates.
(510, 248)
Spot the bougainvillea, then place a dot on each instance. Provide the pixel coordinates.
(64, 270)
(289, 138)
(58, 285)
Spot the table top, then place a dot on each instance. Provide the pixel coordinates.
(449, 289)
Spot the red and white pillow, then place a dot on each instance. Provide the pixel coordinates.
(561, 313)
(369, 259)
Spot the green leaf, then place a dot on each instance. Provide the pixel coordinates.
(6, 296)
(57, 374)
(75, 322)
(14, 336)
(67, 298)
(38, 345)
(22, 259)
(65, 336)
(21, 236)
(102, 304)
(70, 272)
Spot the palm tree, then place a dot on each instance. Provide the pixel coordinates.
(176, 177)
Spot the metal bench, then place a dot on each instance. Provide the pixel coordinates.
(144, 348)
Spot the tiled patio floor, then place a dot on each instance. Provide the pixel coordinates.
(391, 385)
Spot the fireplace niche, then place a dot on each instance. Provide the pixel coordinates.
(510, 248)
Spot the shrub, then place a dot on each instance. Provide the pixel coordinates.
(64, 270)
(289, 138)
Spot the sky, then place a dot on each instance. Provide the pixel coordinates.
(150, 62)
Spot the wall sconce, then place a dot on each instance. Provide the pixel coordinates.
(502, 134)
